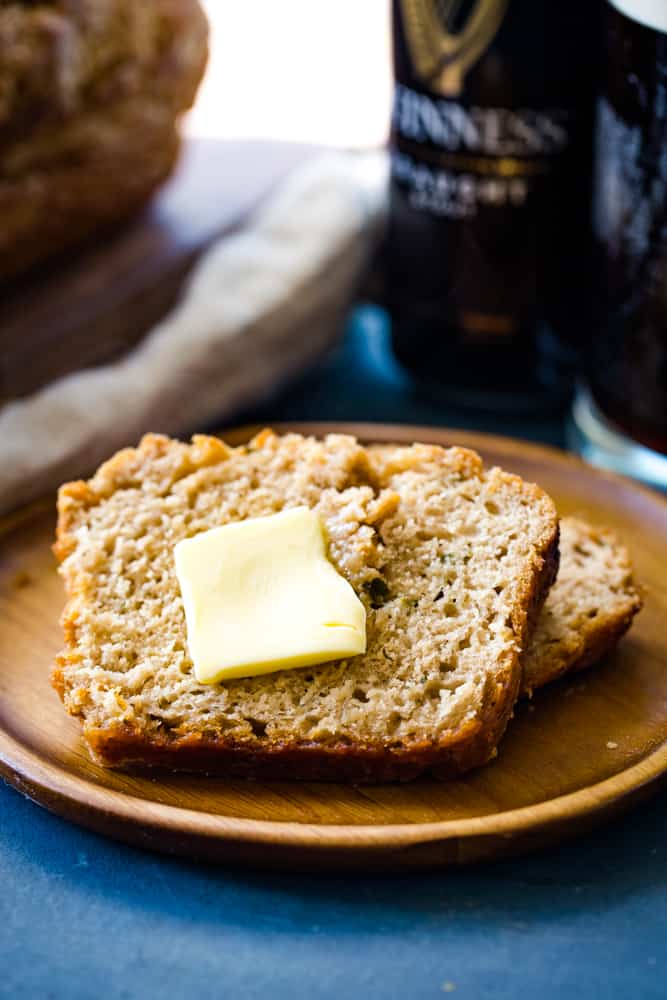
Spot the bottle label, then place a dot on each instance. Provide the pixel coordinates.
(445, 42)
(454, 159)
(485, 178)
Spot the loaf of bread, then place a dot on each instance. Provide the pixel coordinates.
(590, 606)
(451, 561)
(90, 98)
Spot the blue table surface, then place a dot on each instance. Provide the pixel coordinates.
(81, 916)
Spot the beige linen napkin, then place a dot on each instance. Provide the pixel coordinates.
(260, 306)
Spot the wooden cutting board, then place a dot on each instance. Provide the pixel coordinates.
(90, 306)
(583, 750)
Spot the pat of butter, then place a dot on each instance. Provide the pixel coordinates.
(260, 595)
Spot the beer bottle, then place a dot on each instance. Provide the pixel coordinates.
(628, 369)
(490, 195)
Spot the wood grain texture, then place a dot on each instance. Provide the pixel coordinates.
(91, 305)
(582, 750)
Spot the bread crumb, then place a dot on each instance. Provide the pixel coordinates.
(611, 745)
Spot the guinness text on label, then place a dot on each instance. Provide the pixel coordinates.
(487, 130)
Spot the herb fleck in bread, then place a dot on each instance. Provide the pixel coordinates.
(451, 561)
(590, 606)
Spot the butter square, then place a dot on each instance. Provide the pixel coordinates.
(261, 595)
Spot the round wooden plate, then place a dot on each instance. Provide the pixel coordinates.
(582, 750)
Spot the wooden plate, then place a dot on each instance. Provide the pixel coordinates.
(581, 751)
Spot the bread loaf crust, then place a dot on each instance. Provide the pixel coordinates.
(90, 101)
(360, 764)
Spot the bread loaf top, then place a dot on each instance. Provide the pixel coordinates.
(59, 61)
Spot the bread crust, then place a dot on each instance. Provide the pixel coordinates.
(90, 101)
(363, 763)
(124, 745)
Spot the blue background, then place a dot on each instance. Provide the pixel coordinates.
(81, 916)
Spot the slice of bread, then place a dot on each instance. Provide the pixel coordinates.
(590, 606)
(452, 563)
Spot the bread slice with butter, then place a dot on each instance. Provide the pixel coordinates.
(590, 606)
(451, 562)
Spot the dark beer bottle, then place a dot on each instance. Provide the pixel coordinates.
(628, 370)
(490, 195)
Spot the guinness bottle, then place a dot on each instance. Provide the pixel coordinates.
(490, 195)
(628, 365)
